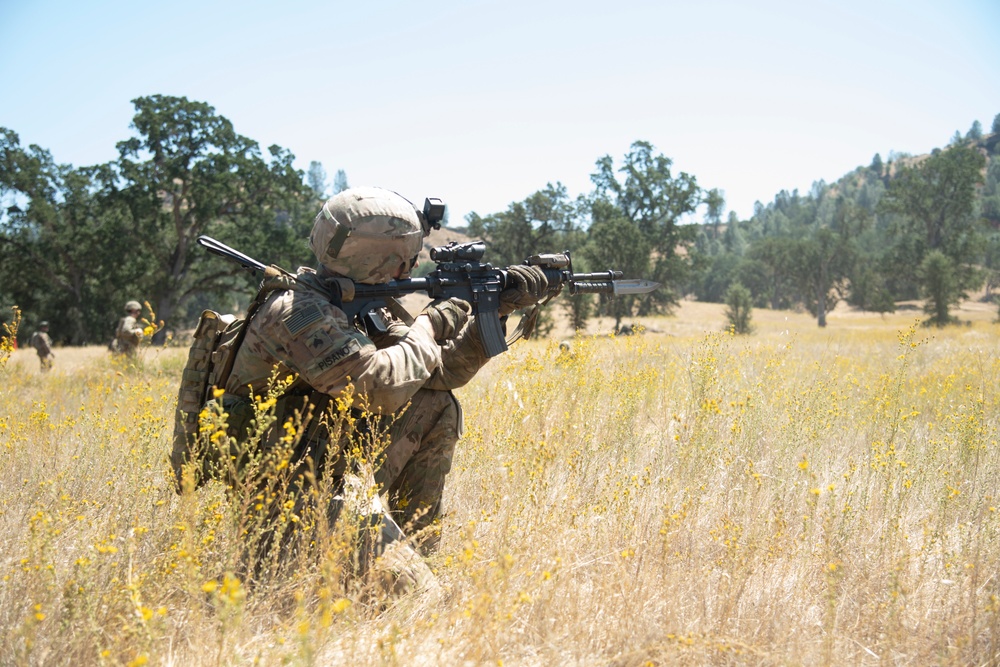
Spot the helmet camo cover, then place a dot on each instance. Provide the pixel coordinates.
(367, 234)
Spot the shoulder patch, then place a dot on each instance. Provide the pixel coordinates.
(298, 320)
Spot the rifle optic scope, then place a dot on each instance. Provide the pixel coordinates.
(459, 252)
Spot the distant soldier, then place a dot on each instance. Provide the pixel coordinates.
(129, 331)
(626, 330)
(43, 346)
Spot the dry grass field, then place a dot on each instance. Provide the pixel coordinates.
(680, 497)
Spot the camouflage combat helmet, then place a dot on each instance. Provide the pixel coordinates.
(367, 234)
(132, 305)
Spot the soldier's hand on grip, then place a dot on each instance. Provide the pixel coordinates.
(447, 317)
(530, 285)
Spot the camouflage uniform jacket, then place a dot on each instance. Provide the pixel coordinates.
(128, 334)
(298, 330)
(42, 343)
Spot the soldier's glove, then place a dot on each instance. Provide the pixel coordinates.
(529, 287)
(447, 317)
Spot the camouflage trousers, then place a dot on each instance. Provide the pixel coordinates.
(417, 460)
(46, 362)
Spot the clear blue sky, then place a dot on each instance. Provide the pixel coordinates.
(481, 103)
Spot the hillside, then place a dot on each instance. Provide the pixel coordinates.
(439, 237)
(866, 238)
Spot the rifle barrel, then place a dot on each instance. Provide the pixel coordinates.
(593, 287)
(393, 288)
(600, 275)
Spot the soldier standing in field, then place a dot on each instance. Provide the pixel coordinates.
(400, 367)
(129, 331)
(43, 346)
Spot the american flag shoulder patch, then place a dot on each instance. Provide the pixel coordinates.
(302, 318)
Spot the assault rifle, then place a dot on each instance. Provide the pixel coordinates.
(461, 273)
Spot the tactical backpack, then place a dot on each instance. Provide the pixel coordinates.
(210, 354)
(217, 339)
(113, 343)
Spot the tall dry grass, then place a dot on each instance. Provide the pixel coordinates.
(800, 496)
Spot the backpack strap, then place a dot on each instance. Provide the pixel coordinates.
(274, 279)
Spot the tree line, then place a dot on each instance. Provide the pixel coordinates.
(76, 243)
(925, 227)
(908, 228)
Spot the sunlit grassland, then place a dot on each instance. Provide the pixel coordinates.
(799, 496)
